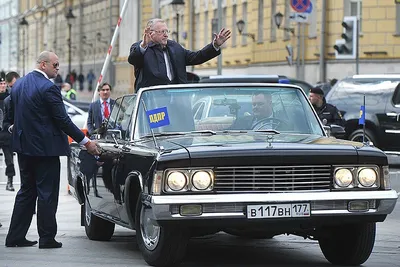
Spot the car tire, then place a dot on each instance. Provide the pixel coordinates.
(97, 228)
(350, 244)
(357, 136)
(161, 246)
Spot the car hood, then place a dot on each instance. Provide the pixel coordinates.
(260, 148)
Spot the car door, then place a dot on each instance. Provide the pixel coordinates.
(114, 146)
(100, 191)
(390, 121)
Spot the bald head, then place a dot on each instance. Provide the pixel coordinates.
(48, 63)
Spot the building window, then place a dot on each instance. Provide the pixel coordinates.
(244, 16)
(273, 26)
(288, 10)
(197, 37)
(206, 25)
(312, 28)
(260, 35)
(354, 8)
(398, 19)
(234, 28)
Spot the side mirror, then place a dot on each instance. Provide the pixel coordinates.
(110, 132)
(337, 131)
(71, 111)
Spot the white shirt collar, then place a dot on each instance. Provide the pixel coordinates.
(45, 75)
(102, 101)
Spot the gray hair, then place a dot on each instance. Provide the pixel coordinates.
(151, 22)
(44, 56)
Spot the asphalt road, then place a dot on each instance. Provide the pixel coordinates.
(220, 250)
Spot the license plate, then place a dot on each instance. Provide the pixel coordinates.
(278, 210)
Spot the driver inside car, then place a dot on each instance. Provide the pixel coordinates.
(262, 118)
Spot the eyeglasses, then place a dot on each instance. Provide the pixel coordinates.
(162, 32)
(55, 65)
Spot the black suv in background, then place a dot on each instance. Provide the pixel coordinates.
(382, 108)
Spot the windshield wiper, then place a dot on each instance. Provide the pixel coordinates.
(235, 131)
(164, 134)
(268, 131)
(205, 131)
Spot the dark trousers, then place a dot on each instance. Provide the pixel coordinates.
(9, 159)
(40, 179)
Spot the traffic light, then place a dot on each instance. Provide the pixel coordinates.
(346, 47)
(289, 57)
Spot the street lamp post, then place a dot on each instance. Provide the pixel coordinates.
(23, 23)
(70, 17)
(176, 4)
(278, 18)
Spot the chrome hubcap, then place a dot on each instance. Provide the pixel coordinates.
(87, 213)
(150, 232)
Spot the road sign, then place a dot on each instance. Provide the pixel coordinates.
(299, 17)
(309, 9)
(300, 5)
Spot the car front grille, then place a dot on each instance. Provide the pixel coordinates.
(272, 178)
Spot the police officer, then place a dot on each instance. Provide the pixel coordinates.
(324, 110)
(69, 92)
(5, 136)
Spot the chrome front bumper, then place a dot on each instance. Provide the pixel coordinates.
(223, 206)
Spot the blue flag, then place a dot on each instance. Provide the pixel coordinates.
(361, 120)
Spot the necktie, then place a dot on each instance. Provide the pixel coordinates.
(106, 111)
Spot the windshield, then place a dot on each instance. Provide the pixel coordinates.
(238, 108)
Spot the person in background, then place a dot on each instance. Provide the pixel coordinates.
(90, 78)
(5, 136)
(81, 79)
(100, 109)
(98, 112)
(327, 113)
(39, 136)
(69, 93)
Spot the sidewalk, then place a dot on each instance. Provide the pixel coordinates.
(7, 198)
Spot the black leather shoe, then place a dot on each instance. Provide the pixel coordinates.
(23, 243)
(51, 244)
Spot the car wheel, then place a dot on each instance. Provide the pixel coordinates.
(348, 244)
(243, 233)
(97, 228)
(161, 246)
(357, 136)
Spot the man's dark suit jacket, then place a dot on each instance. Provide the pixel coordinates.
(41, 123)
(150, 68)
(95, 118)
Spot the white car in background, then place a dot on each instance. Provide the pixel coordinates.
(77, 115)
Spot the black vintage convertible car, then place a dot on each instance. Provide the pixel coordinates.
(249, 159)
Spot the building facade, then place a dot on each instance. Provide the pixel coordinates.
(260, 48)
(379, 37)
(8, 35)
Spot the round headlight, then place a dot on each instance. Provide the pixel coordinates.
(343, 177)
(367, 177)
(201, 180)
(176, 181)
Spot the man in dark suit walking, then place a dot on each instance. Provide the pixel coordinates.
(39, 126)
(159, 61)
